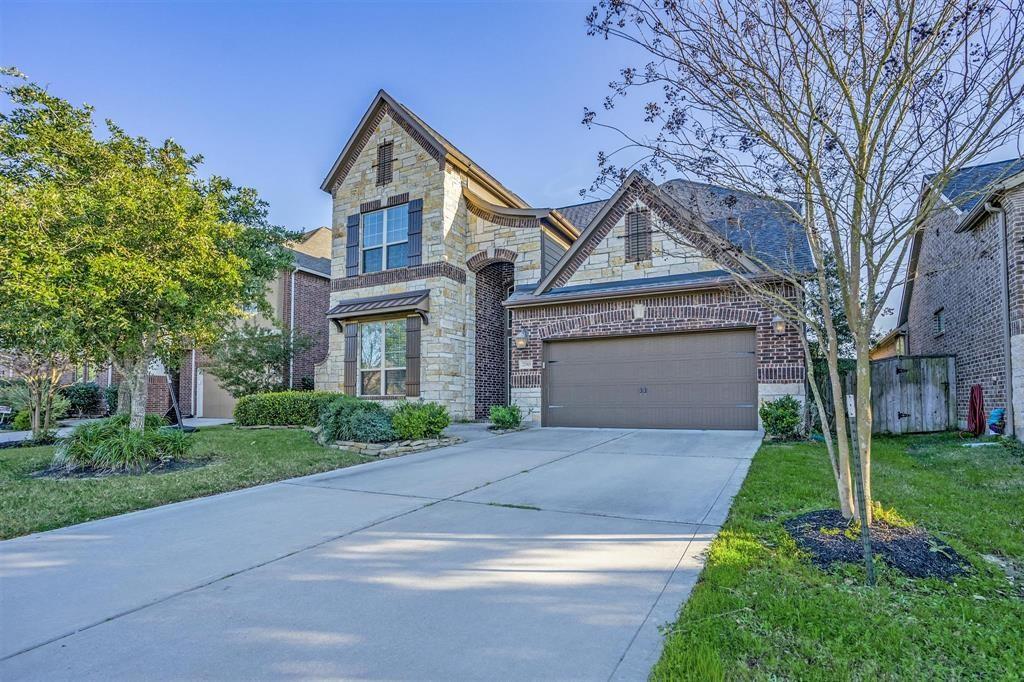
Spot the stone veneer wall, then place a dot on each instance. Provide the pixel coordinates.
(607, 261)
(492, 283)
(780, 365)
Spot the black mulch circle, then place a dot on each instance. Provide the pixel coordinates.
(823, 534)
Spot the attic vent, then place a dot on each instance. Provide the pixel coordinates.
(638, 236)
(385, 163)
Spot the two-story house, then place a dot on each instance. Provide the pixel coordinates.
(965, 287)
(447, 286)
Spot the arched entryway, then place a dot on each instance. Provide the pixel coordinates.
(494, 283)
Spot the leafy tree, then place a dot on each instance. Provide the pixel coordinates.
(141, 257)
(856, 112)
(250, 358)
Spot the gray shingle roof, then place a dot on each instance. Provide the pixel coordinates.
(966, 188)
(637, 285)
(763, 228)
(307, 262)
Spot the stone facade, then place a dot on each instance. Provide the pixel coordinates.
(958, 273)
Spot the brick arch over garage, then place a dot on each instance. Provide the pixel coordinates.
(683, 318)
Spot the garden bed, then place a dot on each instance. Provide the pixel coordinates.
(161, 467)
(396, 448)
(829, 539)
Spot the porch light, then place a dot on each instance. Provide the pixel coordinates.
(778, 324)
(520, 339)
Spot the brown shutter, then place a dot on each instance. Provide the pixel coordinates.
(638, 236)
(351, 353)
(352, 246)
(645, 235)
(412, 356)
(415, 232)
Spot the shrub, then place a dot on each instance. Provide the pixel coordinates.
(22, 421)
(110, 397)
(781, 417)
(371, 426)
(83, 397)
(287, 408)
(306, 384)
(506, 416)
(15, 394)
(109, 445)
(413, 421)
(337, 420)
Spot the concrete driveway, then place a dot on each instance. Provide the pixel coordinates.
(549, 553)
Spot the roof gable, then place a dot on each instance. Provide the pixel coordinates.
(969, 186)
(435, 144)
(668, 209)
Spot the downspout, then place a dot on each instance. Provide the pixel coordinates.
(291, 331)
(195, 389)
(1004, 285)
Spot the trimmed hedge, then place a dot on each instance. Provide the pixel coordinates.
(287, 408)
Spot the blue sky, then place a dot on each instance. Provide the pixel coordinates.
(268, 92)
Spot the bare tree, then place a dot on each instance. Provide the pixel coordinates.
(856, 111)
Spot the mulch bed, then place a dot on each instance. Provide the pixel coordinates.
(912, 550)
(155, 468)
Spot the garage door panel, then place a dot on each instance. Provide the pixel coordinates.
(697, 380)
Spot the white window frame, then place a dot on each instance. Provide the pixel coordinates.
(939, 322)
(385, 244)
(383, 367)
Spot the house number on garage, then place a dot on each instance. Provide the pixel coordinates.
(526, 364)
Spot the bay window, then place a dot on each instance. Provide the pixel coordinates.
(382, 358)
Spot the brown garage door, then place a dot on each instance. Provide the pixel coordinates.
(705, 380)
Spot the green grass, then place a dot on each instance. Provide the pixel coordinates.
(762, 611)
(237, 458)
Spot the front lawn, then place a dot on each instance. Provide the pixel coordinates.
(762, 611)
(234, 458)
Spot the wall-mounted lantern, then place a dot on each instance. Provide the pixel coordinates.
(520, 339)
(778, 324)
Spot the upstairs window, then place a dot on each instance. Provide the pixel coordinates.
(939, 322)
(382, 358)
(386, 239)
(638, 236)
(385, 163)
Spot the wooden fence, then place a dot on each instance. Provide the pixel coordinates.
(909, 394)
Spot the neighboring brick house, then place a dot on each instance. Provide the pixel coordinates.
(448, 287)
(297, 297)
(965, 286)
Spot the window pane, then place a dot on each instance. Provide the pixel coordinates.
(372, 260)
(398, 255)
(373, 228)
(370, 383)
(395, 381)
(394, 344)
(370, 344)
(398, 223)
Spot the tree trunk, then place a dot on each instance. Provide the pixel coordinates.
(845, 482)
(124, 387)
(864, 421)
(139, 395)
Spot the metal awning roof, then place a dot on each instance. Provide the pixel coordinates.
(408, 301)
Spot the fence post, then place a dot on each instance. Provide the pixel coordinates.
(858, 476)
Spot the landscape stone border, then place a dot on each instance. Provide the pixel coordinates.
(400, 447)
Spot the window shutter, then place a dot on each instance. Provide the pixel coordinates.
(638, 236)
(351, 353)
(412, 356)
(385, 163)
(415, 232)
(352, 246)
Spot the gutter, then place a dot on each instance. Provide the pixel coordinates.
(1004, 286)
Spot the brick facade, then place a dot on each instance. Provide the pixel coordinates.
(959, 273)
(780, 365)
(491, 366)
(312, 298)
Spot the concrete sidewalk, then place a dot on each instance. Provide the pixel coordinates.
(549, 553)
